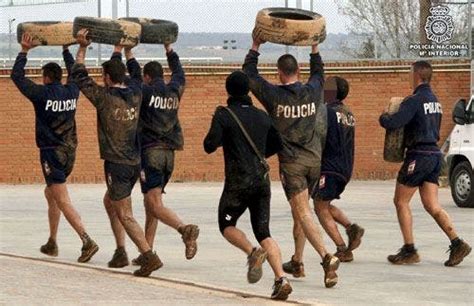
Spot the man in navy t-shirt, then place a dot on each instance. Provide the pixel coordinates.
(160, 136)
(420, 115)
(55, 110)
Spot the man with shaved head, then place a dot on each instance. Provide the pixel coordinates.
(300, 116)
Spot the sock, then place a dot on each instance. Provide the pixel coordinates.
(456, 241)
(85, 238)
(253, 250)
(341, 248)
(409, 247)
(293, 259)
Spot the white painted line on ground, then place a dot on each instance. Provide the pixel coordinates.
(161, 281)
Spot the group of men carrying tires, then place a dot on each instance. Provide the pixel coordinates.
(315, 147)
(127, 154)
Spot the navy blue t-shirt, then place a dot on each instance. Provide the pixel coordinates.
(338, 154)
(54, 104)
(421, 115)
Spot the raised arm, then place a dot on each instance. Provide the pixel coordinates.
(86, 84)
(26, 86)
(117, 53)
(68, 60)
(316, 78)
(178, 80)
(401, 118)
(133, 67)
(213, 139)
(264, 91)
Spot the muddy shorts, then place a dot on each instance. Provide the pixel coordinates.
(420, 168)
(157, 168)
(296, 177)
(330, 187)
(57, 164)
(120, 179)
(233, 204)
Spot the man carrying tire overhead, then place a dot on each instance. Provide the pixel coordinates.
(300, 117)
(420, 115)
(247, 137)
(55, 110)
(160, 135)
(118, 108)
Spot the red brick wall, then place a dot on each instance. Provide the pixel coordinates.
(372, 85)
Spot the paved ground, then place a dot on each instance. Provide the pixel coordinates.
(370, 279)
(70, 284)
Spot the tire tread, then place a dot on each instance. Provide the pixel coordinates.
(109, 31)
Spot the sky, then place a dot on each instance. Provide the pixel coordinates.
(191, 15)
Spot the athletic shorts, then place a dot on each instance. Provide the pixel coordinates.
(120, 179)
(330, 187)
(157, 168)
(233, 204)
(296, 177)
(419, 168)
(57, 164)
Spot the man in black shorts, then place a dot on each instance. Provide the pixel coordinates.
(118, 108)
(420, 116)
(55, 109)
(336, 170)
(160, 136)
(300, 117)
(247, 184)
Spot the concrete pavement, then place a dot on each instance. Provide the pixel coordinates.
(369, 279)
(57, 282)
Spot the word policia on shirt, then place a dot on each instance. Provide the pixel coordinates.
(432, 108)
(296, 111)
(61, 105)
(164, 103)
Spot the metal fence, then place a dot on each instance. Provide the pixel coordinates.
(218, 31)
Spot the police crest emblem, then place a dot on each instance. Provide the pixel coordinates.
(439, 26)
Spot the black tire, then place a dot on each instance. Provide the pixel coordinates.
(47, 33)
(109, 31)
(461, 185)
(290, 26)
(156, 31)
